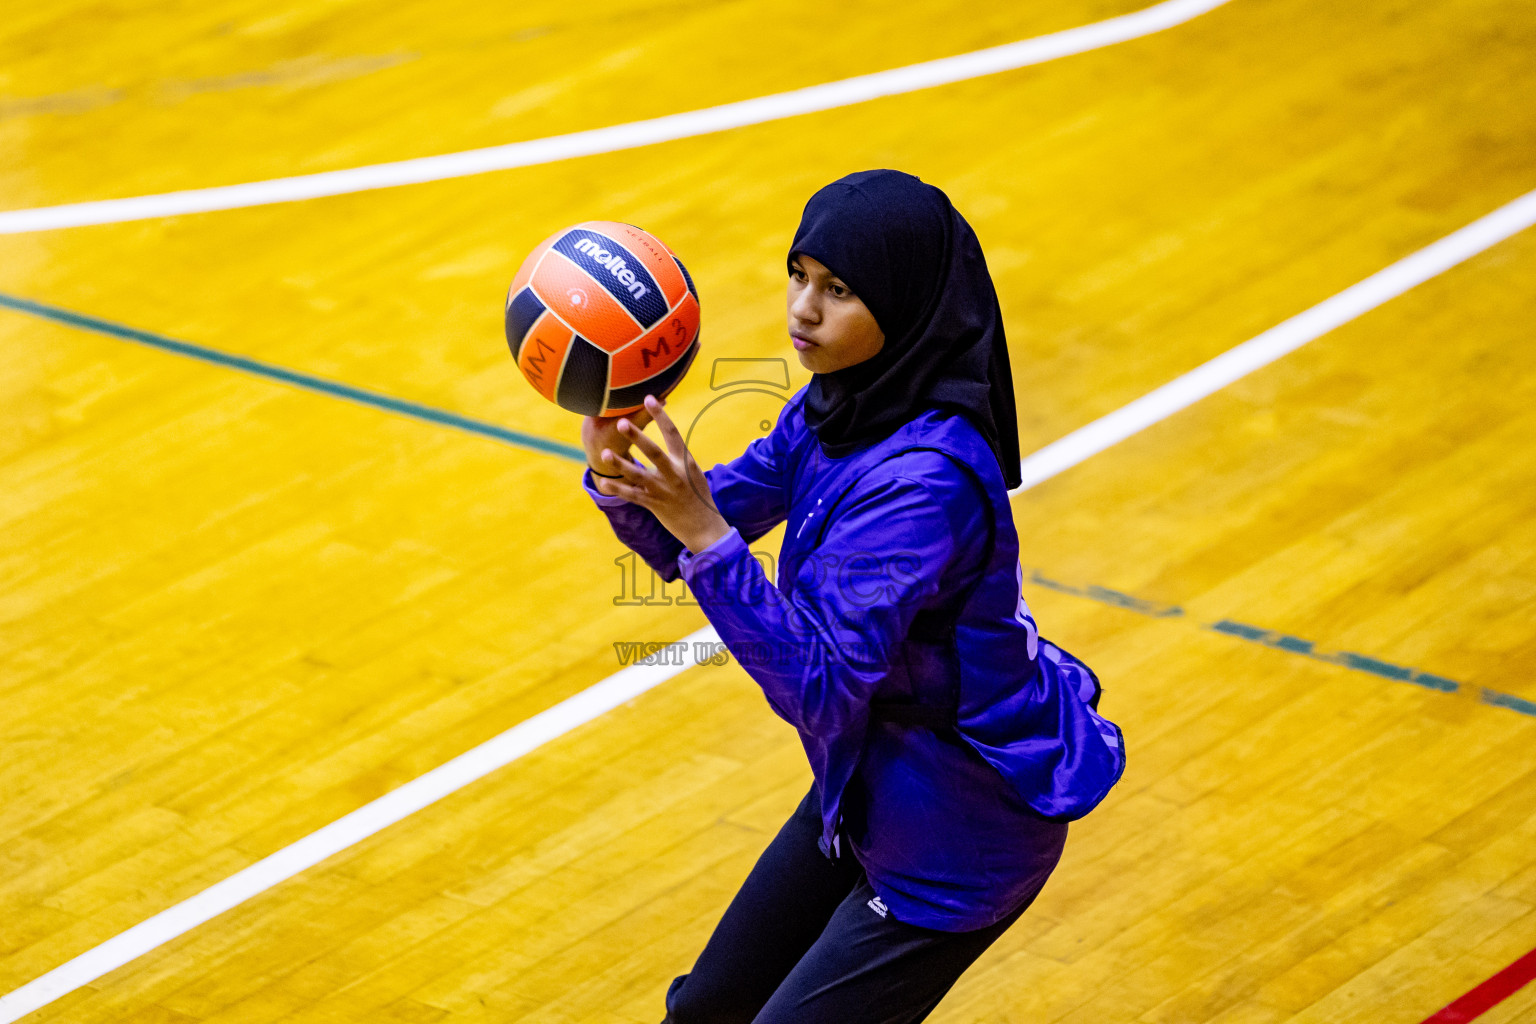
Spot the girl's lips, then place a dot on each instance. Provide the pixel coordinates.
(800, 343)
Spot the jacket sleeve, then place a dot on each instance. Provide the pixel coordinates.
(639, 529)
(748, 491)
(820, 644)
(751, 491)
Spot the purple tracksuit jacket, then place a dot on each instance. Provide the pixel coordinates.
(899, 587)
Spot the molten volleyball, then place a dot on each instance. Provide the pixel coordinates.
(601, 315)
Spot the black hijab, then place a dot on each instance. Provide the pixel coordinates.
(914, 261)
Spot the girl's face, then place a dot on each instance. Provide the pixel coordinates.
(830, 327)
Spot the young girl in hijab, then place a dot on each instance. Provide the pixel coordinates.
(948, 742)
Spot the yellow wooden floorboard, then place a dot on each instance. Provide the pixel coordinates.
(233, 612)
(241, 91)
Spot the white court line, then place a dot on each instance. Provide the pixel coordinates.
(1235, 363)
(775, 107)
(629, 683)
(349, 830)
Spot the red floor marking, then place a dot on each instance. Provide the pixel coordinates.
(1490, 993)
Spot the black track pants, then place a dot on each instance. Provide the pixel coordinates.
(801, 944)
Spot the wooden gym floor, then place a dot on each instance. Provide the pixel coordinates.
(233, 611)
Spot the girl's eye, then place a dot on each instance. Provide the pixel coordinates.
(839, 290)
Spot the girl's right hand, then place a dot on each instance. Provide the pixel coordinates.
(599, 432)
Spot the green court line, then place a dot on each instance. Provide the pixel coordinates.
(1111, 597)
(1349, 659)
(294, 378)
(1295, 645)
(1373, 666)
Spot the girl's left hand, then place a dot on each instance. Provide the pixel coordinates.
(673, 487)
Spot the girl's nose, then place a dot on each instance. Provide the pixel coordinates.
(804, 307)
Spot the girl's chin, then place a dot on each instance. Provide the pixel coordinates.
(817, 360)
